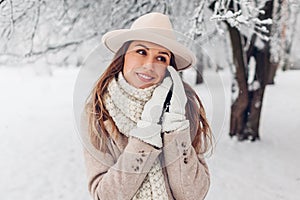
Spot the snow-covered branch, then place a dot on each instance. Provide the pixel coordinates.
(33, 28)
(37, 27)
(244, 15)
(197, 29)
(285, 16)
(59, 47)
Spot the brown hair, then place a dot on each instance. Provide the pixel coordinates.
(97, 114)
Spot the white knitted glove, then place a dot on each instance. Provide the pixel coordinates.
(148, 129)
(175, 119)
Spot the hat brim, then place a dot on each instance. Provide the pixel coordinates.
(184, 58)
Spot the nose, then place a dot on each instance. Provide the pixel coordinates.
(149, 66)
(149, 63)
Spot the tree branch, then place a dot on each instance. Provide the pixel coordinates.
(77, 17)
(11, 30)
(60, 46)
(37, 17)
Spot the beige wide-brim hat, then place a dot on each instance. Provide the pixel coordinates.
(153, 27)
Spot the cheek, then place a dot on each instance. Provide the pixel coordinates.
(126, 72)
(127, 64)
(126, 69)
(161, 72)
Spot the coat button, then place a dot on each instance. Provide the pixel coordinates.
(139, 160)
(185, 160)
(185, 152)
(136, 168)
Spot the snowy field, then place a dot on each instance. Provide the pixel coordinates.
(41, 155)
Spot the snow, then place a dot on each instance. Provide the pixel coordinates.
(41, 154)
(268, 169)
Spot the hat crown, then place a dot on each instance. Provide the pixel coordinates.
(152, 20)
(152, 27)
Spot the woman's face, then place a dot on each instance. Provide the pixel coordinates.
(145, 64)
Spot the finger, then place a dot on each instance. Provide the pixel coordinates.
(177, 82)
(166, 83)
(178, 99)
(162, 90)
(154, 107)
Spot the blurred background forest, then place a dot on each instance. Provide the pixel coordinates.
(60, 32)
(256, 38)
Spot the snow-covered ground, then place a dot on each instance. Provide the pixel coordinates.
(268, 169)
(41, 155)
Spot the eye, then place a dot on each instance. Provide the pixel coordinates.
(161, 59)
(141, 52)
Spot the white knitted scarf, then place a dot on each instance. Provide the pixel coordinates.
(125, 105)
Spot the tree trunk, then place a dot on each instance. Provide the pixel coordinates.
(264, 74)
(239, 86)
(199, 78)
(256, 94)
(246, 108)
(199, 69)
(272, 73)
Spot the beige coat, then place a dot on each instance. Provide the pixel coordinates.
(118, 174)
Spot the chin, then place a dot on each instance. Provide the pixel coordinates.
(145, 86)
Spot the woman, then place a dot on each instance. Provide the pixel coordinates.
(149, 126)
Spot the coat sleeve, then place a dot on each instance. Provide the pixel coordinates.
(119, 179)
(187, 172)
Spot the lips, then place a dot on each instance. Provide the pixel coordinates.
(144, 77)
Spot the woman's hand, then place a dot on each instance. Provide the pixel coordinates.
(175, 119)
(148, 129)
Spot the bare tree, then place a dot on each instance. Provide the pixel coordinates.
(59, 31)
(254, 43)
(290, 23)
(37, 28)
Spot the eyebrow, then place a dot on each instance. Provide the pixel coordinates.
(160, 52)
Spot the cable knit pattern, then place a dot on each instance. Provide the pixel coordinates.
(125, 105)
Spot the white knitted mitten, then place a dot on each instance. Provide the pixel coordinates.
(148, 129)
(175, 119)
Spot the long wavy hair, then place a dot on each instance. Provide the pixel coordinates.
(97, 114)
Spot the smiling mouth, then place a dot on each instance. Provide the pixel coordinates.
(144, 77)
